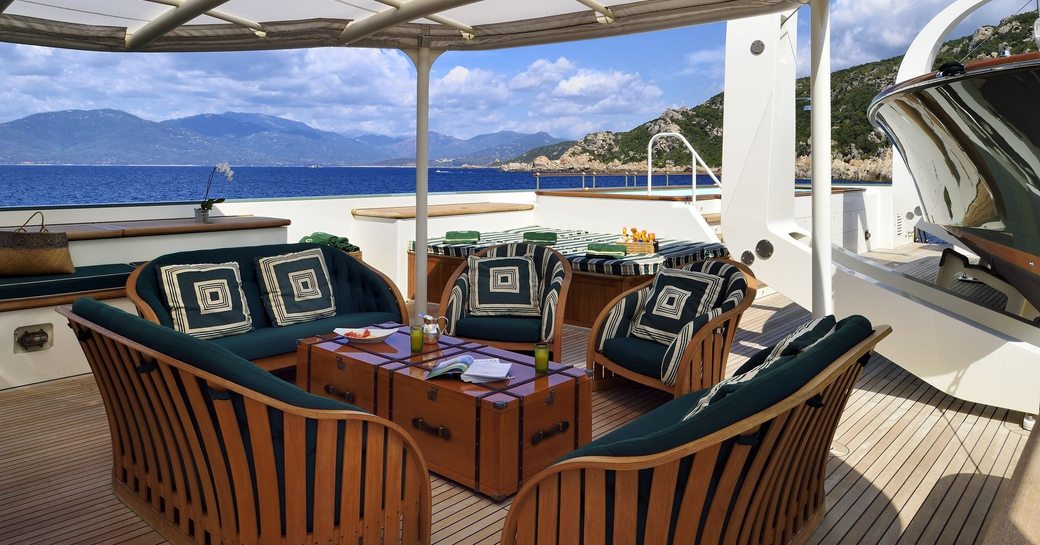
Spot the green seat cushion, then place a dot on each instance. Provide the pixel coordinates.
(635, 354)
(205, 355)
(272, 341)
(88, 278)
(500, 328)
(664, 428)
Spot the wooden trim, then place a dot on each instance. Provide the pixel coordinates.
(770, 494)
(441, 210)
(153, 227)
(556, 346)
(709, 346)
(144, 310)
(61, 299)
(401, 307)
(130, 375)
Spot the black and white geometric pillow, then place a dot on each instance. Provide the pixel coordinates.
(206, 299)
(295, 287)
(678, 296)
(503, 286)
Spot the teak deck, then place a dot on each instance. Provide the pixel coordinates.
(909, 464)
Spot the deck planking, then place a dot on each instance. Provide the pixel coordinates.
(909, 464)
(921, 261)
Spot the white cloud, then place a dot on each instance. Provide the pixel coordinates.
(542, 72)
(869, 30)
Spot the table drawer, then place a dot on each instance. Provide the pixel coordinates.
(549, 429)
(444, 424)
(342, 379)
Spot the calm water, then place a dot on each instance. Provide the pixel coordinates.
(59, 185)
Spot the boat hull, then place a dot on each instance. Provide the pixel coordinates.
(972, 144)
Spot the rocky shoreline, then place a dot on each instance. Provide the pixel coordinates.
(868, 169)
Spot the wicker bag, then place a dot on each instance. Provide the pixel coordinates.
(24, 253)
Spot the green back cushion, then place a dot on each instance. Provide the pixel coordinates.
(295, 287)
(677, 297)
(503, 286)
(792, 344)
(202, 354)
(355, 287)
(664, 429)
(206, 300)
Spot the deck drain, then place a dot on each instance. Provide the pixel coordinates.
(839, 450)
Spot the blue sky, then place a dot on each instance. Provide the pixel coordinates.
(566, 89)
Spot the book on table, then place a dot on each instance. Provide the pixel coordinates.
(472, 370)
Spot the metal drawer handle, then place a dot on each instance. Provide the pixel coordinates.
(559, 428)
(336, 392)
(440, 431)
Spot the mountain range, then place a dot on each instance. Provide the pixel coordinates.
(114, 137)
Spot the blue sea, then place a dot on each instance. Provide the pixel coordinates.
(25, 185)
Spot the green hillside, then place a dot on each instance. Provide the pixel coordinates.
(852, 89)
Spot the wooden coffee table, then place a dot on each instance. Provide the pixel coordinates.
(489, 437)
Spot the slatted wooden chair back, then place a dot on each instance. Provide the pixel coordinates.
(206, 461)
(758, 481)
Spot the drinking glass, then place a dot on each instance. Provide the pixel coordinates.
(541, 358)
(415, 332)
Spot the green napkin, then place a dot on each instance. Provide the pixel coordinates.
(462, 237)
(326, 239)
(540, 237)
(603, 249)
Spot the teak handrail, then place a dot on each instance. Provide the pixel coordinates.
(180, 461)
(757, 481)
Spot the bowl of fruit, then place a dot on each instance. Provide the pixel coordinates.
(364, 335)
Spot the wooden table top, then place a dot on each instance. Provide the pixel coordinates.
(395, 355)
(438, 210)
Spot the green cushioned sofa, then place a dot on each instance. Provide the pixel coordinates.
(364, 296)
(209, 449)
(748, 468)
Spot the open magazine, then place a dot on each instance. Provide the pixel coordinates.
(471, 370)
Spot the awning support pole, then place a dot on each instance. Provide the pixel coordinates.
(822, 302)
(423, 58)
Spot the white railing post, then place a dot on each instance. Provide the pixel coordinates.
(694, 161)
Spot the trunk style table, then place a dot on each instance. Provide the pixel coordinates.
(489, 437)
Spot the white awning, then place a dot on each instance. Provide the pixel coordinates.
(230, 25)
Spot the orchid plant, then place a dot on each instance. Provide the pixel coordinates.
(222, 168)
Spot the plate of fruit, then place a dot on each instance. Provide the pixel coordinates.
(364, 334)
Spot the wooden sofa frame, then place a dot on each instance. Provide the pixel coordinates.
(780, 499)
(556, 346)
(270, 363)
(192, 483)
(708, 349)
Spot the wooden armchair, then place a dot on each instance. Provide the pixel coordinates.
(506, 332)
(747, 469)
(696, 359)
(208, 448)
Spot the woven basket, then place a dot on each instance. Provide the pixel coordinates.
(356, 255)
(639, 247)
